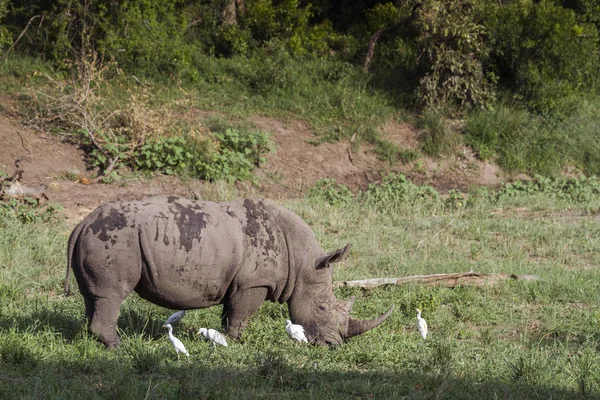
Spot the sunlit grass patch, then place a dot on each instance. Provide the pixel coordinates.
(515, 339)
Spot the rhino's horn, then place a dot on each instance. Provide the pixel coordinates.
(357, 327)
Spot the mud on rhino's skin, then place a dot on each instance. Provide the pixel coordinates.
(190, 224)
(237, 254)
(114, 221)
(257, 218)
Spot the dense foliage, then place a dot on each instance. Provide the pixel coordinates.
(465, 51)
(478, 59)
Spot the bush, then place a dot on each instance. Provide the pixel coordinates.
(233, 156)
(144, 35)
(453, 49)
(331, 192)
(542, 51)
(396, 190)
(5, 36)
(165, 154)
(28, 211)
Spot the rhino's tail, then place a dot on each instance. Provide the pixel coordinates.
(70, 254)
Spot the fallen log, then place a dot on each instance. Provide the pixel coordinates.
(447, 280)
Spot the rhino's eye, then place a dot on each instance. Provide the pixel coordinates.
(321, 308)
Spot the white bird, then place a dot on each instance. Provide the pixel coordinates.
(295, 331)
(213, 335)
(175, 317)
(179, 347)
(421, 325)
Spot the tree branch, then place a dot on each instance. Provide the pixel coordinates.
(375, 37)
(107, 171)
(21, 35)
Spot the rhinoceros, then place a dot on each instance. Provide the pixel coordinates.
(183, 255)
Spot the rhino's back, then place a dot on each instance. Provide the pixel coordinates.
(190, 250)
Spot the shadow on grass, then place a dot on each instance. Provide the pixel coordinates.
(60, 318)
(55, 318)
(269, 378)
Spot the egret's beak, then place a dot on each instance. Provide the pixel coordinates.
(164, 326)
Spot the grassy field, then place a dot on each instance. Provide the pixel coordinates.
(519, 340)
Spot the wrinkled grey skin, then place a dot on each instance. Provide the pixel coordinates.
(184, 255)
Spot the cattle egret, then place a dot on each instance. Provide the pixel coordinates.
(179, 347)
(421, 325)
(295, 331)
(175, 318)
(213, 335)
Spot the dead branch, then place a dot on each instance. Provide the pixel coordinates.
(447, 280)
(23, 141)
(107, 171)
(21, 35)
(350, 156)
(375, 37)
(193, 23)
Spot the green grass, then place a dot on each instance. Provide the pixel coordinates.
(522, 142)
(516, 339)
(333, 96)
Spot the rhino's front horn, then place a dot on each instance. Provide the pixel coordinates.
(358, 327)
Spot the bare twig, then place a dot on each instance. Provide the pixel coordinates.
(350, 156)
(193, 23)
(107, 171)
(447, 280)
(21, 35)
(22, 141)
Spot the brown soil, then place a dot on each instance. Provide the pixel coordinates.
(289, 171)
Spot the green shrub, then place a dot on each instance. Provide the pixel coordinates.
(5, 35)
(542, 51)
(290, 23)
(331, 192)
(28, 210)
(145, 35)
(236, 153)
(168, 155)
(575, 190)
(396, 189)
(452, 47)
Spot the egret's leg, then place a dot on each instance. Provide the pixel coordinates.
(240, 308)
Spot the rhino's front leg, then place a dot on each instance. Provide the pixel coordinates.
(239, 308)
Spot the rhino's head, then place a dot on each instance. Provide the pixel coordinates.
(313, 305)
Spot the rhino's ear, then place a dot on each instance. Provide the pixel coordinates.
(333, 257)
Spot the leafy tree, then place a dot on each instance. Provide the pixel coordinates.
(542, 51)
(5, 35)
(453, 52)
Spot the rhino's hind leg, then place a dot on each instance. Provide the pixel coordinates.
(239, 308)
(103, 322)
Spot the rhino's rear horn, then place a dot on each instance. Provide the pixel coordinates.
(358, 327)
